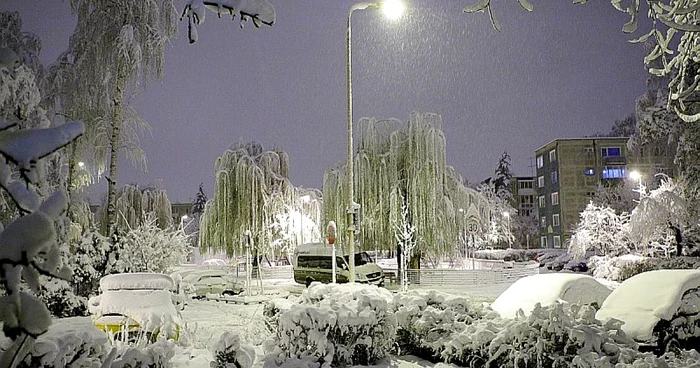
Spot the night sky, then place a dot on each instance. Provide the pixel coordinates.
(561, 71)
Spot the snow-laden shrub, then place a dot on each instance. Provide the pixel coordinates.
(60, 299)
(424, 317)
(335, 325)
(156, 355)
(611, 268)
(273, 309)
(228, 352)
(515, 255)
(77, 348)
(650, 264)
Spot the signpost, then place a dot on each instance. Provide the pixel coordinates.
(330, 231)
(472, 229)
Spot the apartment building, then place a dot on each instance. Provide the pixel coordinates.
(570, 170)
(524, 195)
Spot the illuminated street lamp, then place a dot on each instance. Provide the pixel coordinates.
(637, 176)
(392, 9)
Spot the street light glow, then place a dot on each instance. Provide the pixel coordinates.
(506, 214)
(81, 164)
(392, 9)
(635, 175)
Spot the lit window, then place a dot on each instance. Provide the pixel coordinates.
(589, 172)
(557, 241)
(543, 222)
(543, 241)
(542, 203)
(555, 198)
(525, 184)
(540, 181)
(552, 155)
(610, 151)
(555, 177)
(555, 220)
(614, 172)
(540, 162)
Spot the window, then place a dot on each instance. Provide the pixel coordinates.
(614, 172)
(589, 172)
(525, 184)
(526, 212)
(542, 203)
(527, 199)
(610, 151)
(543, 222)
(555, 198)
(540, 162)
(543, 241)
(552, 155)
(540, 181)
(555, 219)
(588, 150)
(555, 177)
(557, 241)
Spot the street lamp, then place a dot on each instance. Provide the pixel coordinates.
(506, 214)
(392, 9)
(182, 222)
(637, 176)
(304, 199)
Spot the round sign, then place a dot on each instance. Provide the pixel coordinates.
(472, 227)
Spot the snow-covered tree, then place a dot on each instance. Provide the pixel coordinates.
(499, 230)
(502, 177)
(485, 5)
(258, 11)
(252, 187)
(405, 240)
(200, 200)
(148, 248)
(601, 231)
(526, 229)
(621, 197)
(663, 210)
(395, 162)
(134, 204)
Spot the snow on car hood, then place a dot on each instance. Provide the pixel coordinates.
(131, 281)
(141, 305)
(645, 299)
(546, 289)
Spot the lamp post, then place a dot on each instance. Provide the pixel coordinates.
(464, 236)
(506, 214)
(392, 9)
(304, 200)
(637, 176)
(182, 222)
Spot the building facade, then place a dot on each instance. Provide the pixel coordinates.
(570, 170)
(524, 195)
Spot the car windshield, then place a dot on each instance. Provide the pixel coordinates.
(361, 258)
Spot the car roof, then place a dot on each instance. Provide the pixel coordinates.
(137, 281)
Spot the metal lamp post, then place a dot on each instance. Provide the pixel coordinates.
(637, 176)
(392, 9)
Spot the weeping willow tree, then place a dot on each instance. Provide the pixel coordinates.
(404, 165)
(134, 204)
(252, 187)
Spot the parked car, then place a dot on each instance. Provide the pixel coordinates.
(131, 305)
(659, 308)
(547, 289)
(202, 282)
(314, 262)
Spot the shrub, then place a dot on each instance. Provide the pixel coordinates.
(335, 325)
(229, 352)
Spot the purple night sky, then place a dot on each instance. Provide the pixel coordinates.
(561, 71)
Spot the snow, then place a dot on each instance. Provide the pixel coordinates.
(546, 289)
(641, 301)
(141, 305)
(137, 280)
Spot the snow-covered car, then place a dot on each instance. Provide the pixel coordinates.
(659, 308)
(131, 305)
(214, 262)
(549, 288)
(200, 283)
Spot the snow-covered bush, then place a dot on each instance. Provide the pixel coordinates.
(610, 268)
(229, 352)
(149, 248)
(650, 264)
(515, 255)
(335, 325)
(156, 355)
(273, 309)
(76, 348)
(60, 299)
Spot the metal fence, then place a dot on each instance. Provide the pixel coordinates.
(447, 276)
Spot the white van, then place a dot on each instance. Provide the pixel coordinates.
(313, 262)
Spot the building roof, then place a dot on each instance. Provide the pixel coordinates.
(582, 139)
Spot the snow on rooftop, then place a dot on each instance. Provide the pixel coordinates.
(644, 299)
(546, 289)
(136, 281)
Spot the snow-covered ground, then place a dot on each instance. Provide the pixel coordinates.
(206, 320)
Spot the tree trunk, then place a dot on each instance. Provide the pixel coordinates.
(113, 159)
(679, 239)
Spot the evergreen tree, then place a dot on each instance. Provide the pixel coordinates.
(503, 175)
(200, 201)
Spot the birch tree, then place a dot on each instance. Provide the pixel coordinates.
(602, 231)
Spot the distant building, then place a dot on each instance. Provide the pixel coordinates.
(570, 170)
(524, 194)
